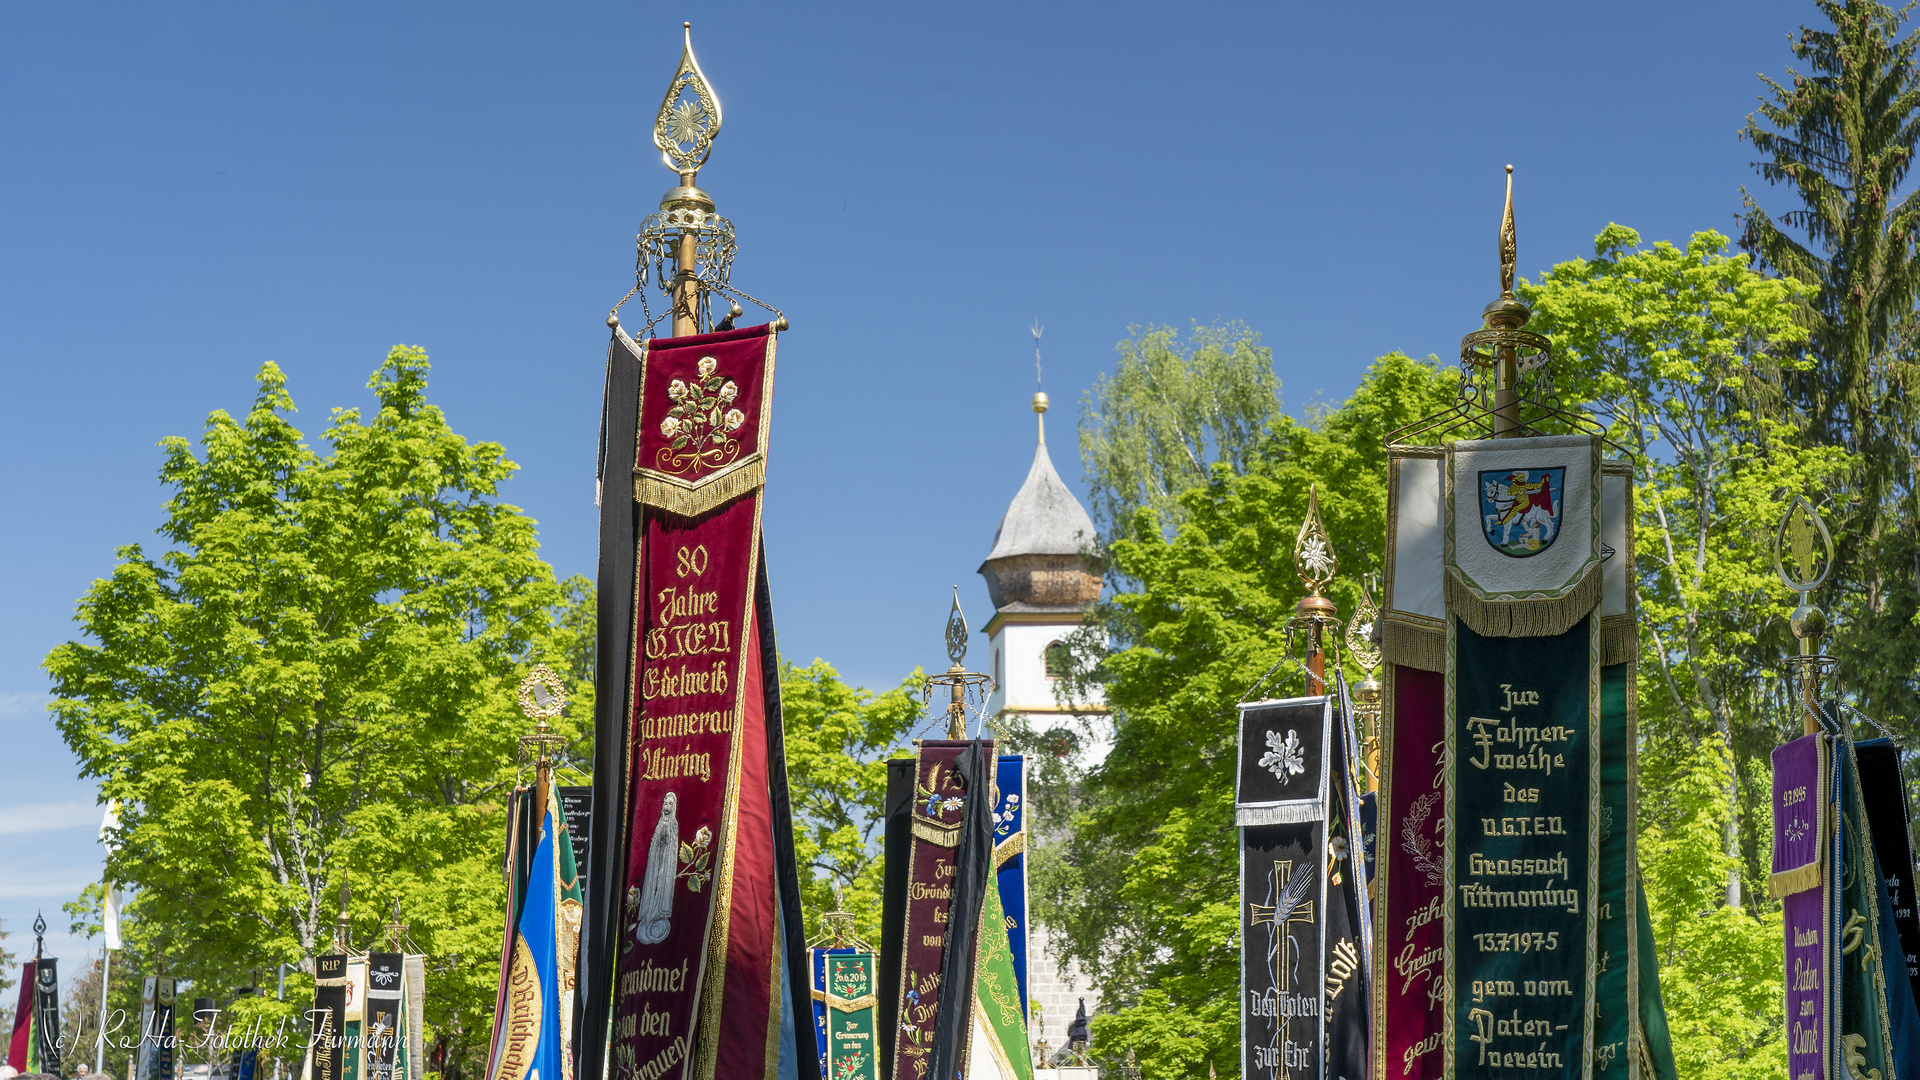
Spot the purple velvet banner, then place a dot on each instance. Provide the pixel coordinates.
(1799, 827)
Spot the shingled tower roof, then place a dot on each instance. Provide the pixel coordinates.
(1045, 554)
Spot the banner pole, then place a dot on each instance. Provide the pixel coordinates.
(100, 1041)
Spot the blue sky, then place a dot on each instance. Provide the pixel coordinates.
(189, 190)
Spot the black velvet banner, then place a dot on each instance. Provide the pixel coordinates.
(329, 1017)
(385, 984)
(1886, 800)
(1281, 807)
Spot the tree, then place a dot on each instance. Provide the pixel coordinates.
(1842, 137)
(1678, 353)
(1143, 893)
(313, 683)
(838, 738)
(1151, 429)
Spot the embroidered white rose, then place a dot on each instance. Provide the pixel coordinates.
(1285, 758)
(669, 426)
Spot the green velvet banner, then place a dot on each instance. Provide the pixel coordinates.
(1523, 814)
(1616, 1020)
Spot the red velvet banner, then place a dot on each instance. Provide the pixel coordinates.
(699, 940)
(1409, 1004)
(937, 801)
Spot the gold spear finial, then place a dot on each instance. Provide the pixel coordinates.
(1313, 557)
(956, 678)
(1315, 563)
(1509, 244)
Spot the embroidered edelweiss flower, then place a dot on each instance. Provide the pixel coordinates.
(669, 427)
(734, 419)
(1314, 553)
(729, 391)
(707, 364)
(1285, 758)
(703, 837)
(676, 390)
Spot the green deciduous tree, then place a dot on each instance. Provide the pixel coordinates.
(1841, 137)
(838, 739)
(312, 681)
(1143, 892)
(1170, 409)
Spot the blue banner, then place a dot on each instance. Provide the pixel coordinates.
(1010, 862)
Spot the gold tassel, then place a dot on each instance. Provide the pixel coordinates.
(692, 501)
(1523, 618)
(1619, 640)
(1423, 647)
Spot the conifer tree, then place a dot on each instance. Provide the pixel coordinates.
(1841, 137)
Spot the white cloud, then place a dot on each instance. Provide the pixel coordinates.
(62, 884)
(24, 705)
(49, 816)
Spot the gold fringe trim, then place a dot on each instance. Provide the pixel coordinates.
(1523, 618)
(1008, 848)
(948, 836)
(1619, 640)
(840, 1004)
(692, 500)
(1798, 879)
(1423, 647)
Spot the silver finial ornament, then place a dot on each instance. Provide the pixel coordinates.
(689, 116)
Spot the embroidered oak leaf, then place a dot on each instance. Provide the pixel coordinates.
(1285, 758)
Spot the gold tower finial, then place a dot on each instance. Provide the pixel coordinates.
(1039, 395)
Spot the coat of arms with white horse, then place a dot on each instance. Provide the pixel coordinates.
(1520, 509)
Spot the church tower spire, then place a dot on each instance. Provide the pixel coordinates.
(1043, 573)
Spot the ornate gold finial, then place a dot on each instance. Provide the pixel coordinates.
(1313, 557)
(957, 631)
(1314, 561)
(394, 931)
(957, 677)
(1367, 704)
(689, 116)
(1509, 243)
(542, 697)
(1800, 529)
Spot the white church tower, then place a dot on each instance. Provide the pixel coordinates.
(1043, 574)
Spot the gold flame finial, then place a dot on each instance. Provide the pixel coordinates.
(1509, 244)
(689, 116)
